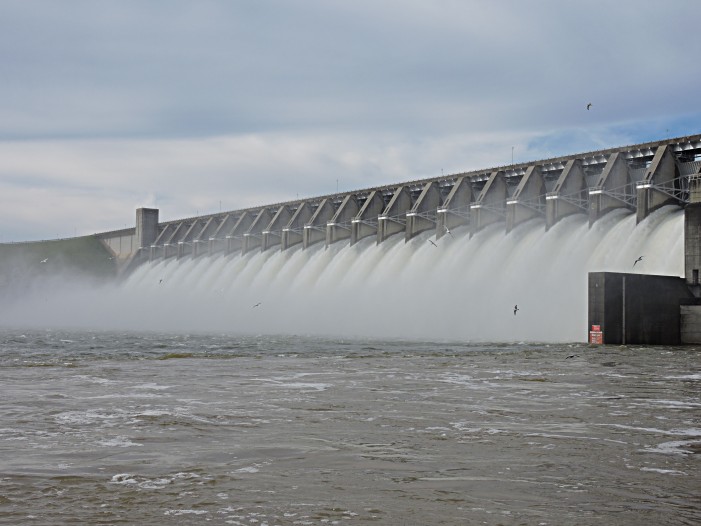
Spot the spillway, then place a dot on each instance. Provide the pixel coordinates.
(463, 288)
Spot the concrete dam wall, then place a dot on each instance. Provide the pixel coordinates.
(639, 178)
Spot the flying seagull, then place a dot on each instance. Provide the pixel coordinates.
(639, 259)
(449, 232)
(515, 309)
(160, 281)
(589, 106)
(44, 260)
(256, 305)
(431, 241)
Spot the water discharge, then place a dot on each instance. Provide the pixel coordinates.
(464, 288)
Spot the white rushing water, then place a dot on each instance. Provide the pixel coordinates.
(465, 288)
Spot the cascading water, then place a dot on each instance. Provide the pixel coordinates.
(464, 288)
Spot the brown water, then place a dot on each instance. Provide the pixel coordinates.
(128, 428)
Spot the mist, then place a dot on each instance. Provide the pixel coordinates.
(463, 289)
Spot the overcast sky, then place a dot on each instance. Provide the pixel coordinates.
(192, 107)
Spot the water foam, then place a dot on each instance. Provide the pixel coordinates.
(465, 288)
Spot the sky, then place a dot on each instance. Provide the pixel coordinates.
(199, 107)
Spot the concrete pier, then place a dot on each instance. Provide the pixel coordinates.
(455, 209)
(613, 189)
(528, 201)
(569, 195)
(314, 231)
(422, 215)
(293, 233)
(392, 220)
(365, 223)
(491, 204)
(338, 228)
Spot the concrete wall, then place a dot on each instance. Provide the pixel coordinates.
(637, 308)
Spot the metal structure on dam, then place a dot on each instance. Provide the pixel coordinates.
(640, 178)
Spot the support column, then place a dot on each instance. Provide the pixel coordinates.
(315, 228)
(234, 239)
(253, 237)
(292, 234)
(657, 188)
(528, 200)
(393, 217)
(217, 241)
(455, 211)
(422, 215)
(146, 227)
(613, 190)
(272, 235)
(339, 227)
(365, 223)
(491, 203)
(569, 195)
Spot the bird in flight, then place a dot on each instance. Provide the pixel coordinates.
(589, 106)
(431, 241)
(256, 305)
(44, 260)
(160, 281)
(639, 259)
(515, 309)
(449, 232)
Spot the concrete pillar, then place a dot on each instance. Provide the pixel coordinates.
(528, 200)
(217, 240)
(491, 203)
(234, 239)
(422, 215)
(146, 227)
(613, 189)
(200, 242)
(292, 233)
(315, 228)
(339, 226)
(272, 234)
(253, 237)
(158, 246)
(365, 223)
(657, 187)
(187, 241)
(393, 217)
(569, 195)
(170, 247)
(455, 210)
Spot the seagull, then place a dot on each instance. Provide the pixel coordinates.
(44, 260)
(256, 305)
(515, 309)
(160, 281)
(639, 259)
(431, 241)
(589, 106)
(449, 232)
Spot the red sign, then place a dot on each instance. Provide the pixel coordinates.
(596, 328)
(596, 337)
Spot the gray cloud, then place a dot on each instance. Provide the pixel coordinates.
(361, 91)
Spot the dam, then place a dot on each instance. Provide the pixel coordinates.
(446, 258)
(639, 179)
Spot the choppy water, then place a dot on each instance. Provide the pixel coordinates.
(128, 428)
